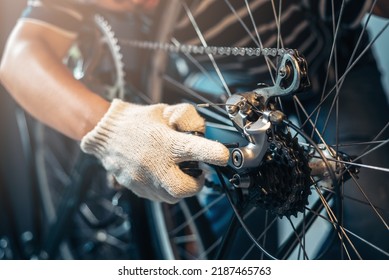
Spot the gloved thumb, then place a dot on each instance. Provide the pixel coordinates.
(194, 148)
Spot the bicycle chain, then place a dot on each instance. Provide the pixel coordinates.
(209, 50)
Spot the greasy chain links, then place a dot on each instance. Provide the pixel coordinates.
(209, 50)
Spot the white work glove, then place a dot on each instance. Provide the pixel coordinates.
(143, 145)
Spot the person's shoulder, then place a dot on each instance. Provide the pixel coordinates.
(52, 3)
(64, 16)
(75, 6)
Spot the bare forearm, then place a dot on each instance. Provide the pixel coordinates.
(43, 86)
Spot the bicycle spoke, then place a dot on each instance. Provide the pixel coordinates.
(340, 230)
(301, 246)
(198, 65)
(196, 215)
(368, 143)
(370, 151)
(336, 78)
(373, 167)
(211, 248)
(359, 40)
(269, 63)
(240, 219)
(371, 245)
(333, 57)
(352, 65)
(192, 93)
(277, 19)
(379, 134)
(261, 236)
(378, 249)
(288, 247)
(257, 41)
(204, 43)
(380, 217)
(298, 102)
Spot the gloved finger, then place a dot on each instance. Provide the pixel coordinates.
(184, 117)
(154, 185)
(152, 190)
(158, 194)
(193, 148)
(180, 185)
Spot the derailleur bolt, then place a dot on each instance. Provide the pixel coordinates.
(232, 109)
(237, 158)
(235, 180)
(284, 71)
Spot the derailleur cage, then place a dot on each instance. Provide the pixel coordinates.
(253, 114)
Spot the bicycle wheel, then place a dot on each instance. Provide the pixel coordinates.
(317, 185)
(84, 215)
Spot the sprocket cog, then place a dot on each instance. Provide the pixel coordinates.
(283, 178)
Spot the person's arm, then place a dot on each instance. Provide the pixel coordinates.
(33, 72)
(141, 146)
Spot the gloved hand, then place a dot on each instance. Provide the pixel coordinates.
(143, 145)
